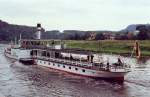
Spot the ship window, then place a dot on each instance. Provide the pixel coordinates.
(76, 68)
(83, 70)
(58, 65)
(44, 62)
(49, 63)
(69, 67)
(40, 61)
(64, 66)
(53, 64)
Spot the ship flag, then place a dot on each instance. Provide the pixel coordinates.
(137, 49)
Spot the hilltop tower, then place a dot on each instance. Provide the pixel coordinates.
(38, 32)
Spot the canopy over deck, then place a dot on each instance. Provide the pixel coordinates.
(37, 44)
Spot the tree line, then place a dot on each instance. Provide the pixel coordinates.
(9, 32)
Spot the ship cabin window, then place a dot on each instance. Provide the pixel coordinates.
(57, 54)
(40, 61)
(44, 62)
(49, 63)
(63, 66)
(76, 69)
(58, 65)
(83, 70)
(53, 64)
(69, 67)
(48, 54)
(43, 53)
(31, 53)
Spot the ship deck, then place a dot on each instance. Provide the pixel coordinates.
(86, 65)
(65, 50)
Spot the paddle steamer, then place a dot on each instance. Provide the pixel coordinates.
(55, 55)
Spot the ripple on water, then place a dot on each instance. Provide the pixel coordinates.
(18, 80)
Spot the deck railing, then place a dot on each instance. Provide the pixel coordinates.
(101, 66)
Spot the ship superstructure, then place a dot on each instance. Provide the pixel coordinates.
(18, 52)
(76, 61)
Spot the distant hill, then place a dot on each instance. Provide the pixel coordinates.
(10, 31)
(53, 34)
(133, 27)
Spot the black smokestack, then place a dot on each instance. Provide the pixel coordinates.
(38, 25)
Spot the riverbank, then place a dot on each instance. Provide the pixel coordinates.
(122, 47)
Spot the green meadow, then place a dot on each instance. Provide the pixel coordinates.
(122, 47)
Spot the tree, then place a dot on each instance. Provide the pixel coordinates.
(143, 32)
(100, 36)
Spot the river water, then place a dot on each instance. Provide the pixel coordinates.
(18, 80)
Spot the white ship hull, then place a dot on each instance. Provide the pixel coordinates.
(11, 56)
(82, 71)
(17, 53)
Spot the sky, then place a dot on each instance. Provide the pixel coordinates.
(76, 14)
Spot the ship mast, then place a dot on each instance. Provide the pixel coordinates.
(20, 37)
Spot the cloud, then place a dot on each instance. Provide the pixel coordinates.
(76, 14)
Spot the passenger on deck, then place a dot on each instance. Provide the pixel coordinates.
(71, 58)
(92, 58)
(107, 68)
(119, 61)
(118, 64)
(101, 65)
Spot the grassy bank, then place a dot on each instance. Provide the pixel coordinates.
(123, 47)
